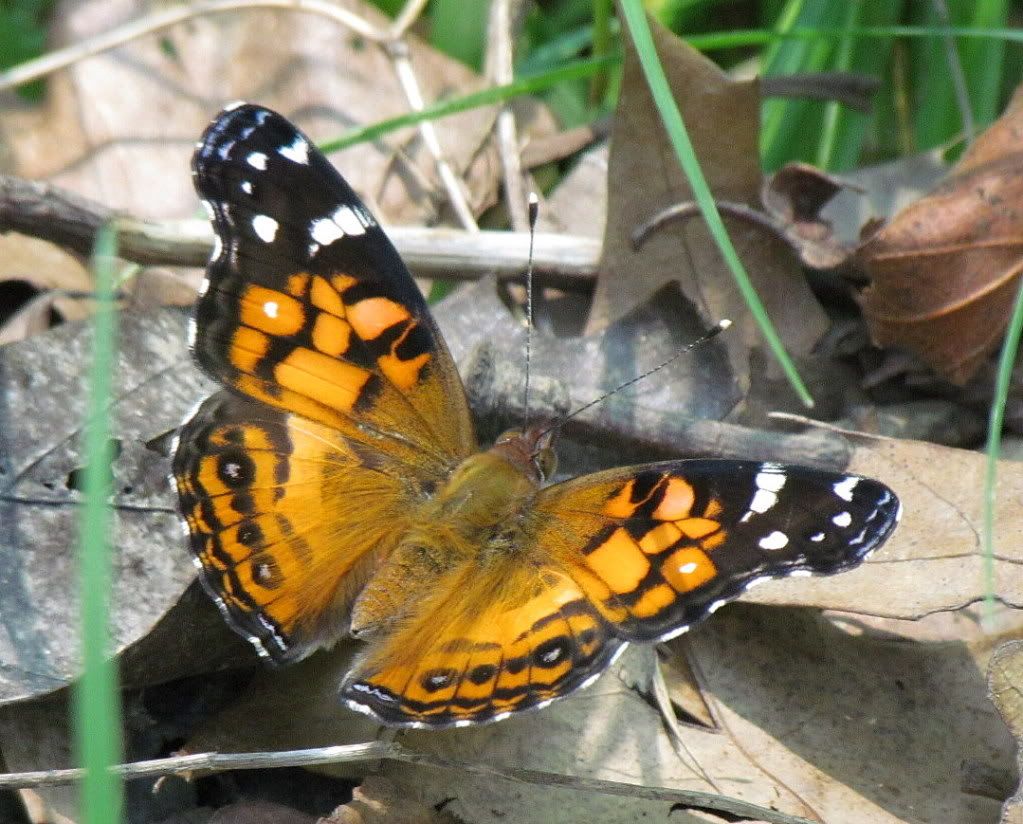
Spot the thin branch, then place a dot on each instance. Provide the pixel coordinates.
(70, 221)
(397, 50)
(500, 71)
(406, 18)
(377, 750)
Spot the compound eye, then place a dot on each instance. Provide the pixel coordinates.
(509, 435)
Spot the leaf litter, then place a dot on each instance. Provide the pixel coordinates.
(788, 709)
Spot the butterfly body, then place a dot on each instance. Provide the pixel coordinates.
(335, 486)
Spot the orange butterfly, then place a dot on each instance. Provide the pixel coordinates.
(335, 486)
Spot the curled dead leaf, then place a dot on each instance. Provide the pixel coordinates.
(944, 270)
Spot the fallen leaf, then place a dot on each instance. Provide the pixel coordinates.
(644, 178)
(862, 727)
(1005, 681)
(378, 801)
(944, 271)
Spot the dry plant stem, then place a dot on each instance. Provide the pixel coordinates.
(67, 220)
(398, 51)
(377, 750)
(500, 71)
(406, 18)
(688, 209)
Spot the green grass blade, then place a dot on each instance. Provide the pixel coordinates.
(96, 704)
(1006, 361)
(639, 31)
(497, 94)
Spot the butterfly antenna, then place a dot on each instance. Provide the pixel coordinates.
(534, 210)
(714, 331)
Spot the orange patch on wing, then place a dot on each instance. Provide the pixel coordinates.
(247, 348)
(713, 509)
(324, 296)
(331, 382)
(676, 502)
(252, 437)
(342, 282)
(715, 540)
(687, 568)
(372, 316)
(698, 527)
(653, 601)
(271, 311)
(402, 373)
(619, 562)
(297, 284)
(621, 505)
(659, 538)
(331, 334)
(475, 685)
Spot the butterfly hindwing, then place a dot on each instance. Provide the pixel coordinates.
(657, 548)
(253, 484)
(307, 306)
(489, 643)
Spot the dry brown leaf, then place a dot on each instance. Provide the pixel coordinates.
(1005, 681)
(378, 801)
(120, 127)
(644, 177)
(863, 727)
(945, 270)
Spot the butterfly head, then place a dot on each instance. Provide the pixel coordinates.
(531, 449)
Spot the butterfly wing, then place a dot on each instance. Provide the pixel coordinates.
(307, 306)
(346, 407)
(657, 548)
(632, 554)
(489, 642)
(255, 486)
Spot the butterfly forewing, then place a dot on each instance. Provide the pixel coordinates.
(307, 305)
(659, 547)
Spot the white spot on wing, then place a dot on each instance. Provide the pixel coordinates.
(265, 228)
(348, 221)
(297, 152)
(688, 569)
(325, 231)
(776, 540)
(817, 537)
(842, 519)
(344, 221)
(772, 480)
(763, 500)
(257, 160)
(247, 187)
(271, 308)
(844, 488)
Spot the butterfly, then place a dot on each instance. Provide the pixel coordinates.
(334, 486)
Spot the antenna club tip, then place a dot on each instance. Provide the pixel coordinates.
(533, 209)
(534, 199)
